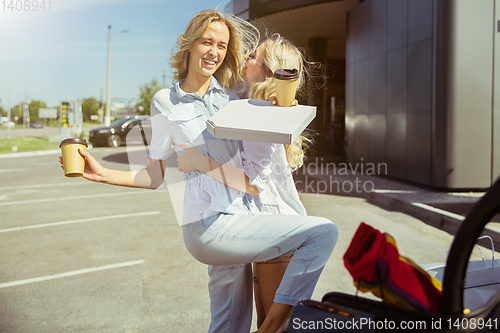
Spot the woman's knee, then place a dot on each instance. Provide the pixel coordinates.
(327, 231)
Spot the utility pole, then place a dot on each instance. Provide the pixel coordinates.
(107, 116)
(8, 96)
(164, 76)
(100, 110)
(27, 110)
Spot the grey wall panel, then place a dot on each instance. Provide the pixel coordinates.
(361, 138)
(418, 147)
(349, 115)
(496, 142)
(397, 18)
(378, 84)
(361, 86)
(349, 107)
(442, 39)
(378, 27)
(396, 145)
(420, 20)
(359, 35)
(352, 37)
(396, 81)
(496, 100)
(377, 138)
(349, 93)
(420, 76)
(439, 90)
(349, 42)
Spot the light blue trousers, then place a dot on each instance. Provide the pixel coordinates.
(230, 243)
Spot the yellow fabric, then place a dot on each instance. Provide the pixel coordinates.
(377, 289)
(433, 280)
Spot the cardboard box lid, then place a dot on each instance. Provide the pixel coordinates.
(260, 121)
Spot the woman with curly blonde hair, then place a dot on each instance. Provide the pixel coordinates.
(221, 226)
(267, 172)
(243, 40)
(277, 53)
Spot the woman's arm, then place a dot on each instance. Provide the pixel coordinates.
(192, 159)
(149, 177)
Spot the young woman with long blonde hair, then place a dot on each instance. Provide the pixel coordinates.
(267, 169)
(219, 227)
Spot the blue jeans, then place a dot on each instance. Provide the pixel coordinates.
(229, 243)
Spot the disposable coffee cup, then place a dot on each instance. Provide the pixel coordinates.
(74, 163)
(286, 84)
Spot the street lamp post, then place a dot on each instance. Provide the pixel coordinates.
(8, 97)
(107, 117)
(26, 114)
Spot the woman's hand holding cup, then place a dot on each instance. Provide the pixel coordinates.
(274, 100)
(286, 83)
(93, 170)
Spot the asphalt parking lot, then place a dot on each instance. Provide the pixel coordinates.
(78, 256)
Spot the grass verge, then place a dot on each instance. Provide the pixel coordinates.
(27, 144)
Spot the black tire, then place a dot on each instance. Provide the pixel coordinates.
(114, 141)
(458, 258)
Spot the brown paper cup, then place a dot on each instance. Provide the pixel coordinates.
(74, 163)
(285, 91)
(286, 84)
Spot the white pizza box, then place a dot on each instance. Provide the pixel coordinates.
(260, 121)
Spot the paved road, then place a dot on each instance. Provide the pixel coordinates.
(23, 132)
(86, 257)
(78, 228)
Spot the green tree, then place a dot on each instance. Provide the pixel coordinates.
(17, 111)
(90, 107)
(147, 93)
(3, 113)
(34, 107)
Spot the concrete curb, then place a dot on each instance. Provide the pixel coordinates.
(435, 217)
(30, 153)
(34, 153)
(409, 199)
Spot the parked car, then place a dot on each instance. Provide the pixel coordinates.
(8, 124)
(115, 134)
(37, 124)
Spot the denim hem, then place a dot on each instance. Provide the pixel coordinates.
(289, 300)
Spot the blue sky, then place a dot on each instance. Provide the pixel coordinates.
(61, 53)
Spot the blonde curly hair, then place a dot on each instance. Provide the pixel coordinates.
(243, 39)
(281, 53)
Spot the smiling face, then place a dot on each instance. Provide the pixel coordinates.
(208, 52)
(253, 70)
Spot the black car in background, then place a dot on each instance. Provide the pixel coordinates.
(37, 124)
(115, 134)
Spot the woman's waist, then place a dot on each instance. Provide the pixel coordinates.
(196, 176)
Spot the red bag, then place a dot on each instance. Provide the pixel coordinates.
(375, 264)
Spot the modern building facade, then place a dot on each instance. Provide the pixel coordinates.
(417, 78)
